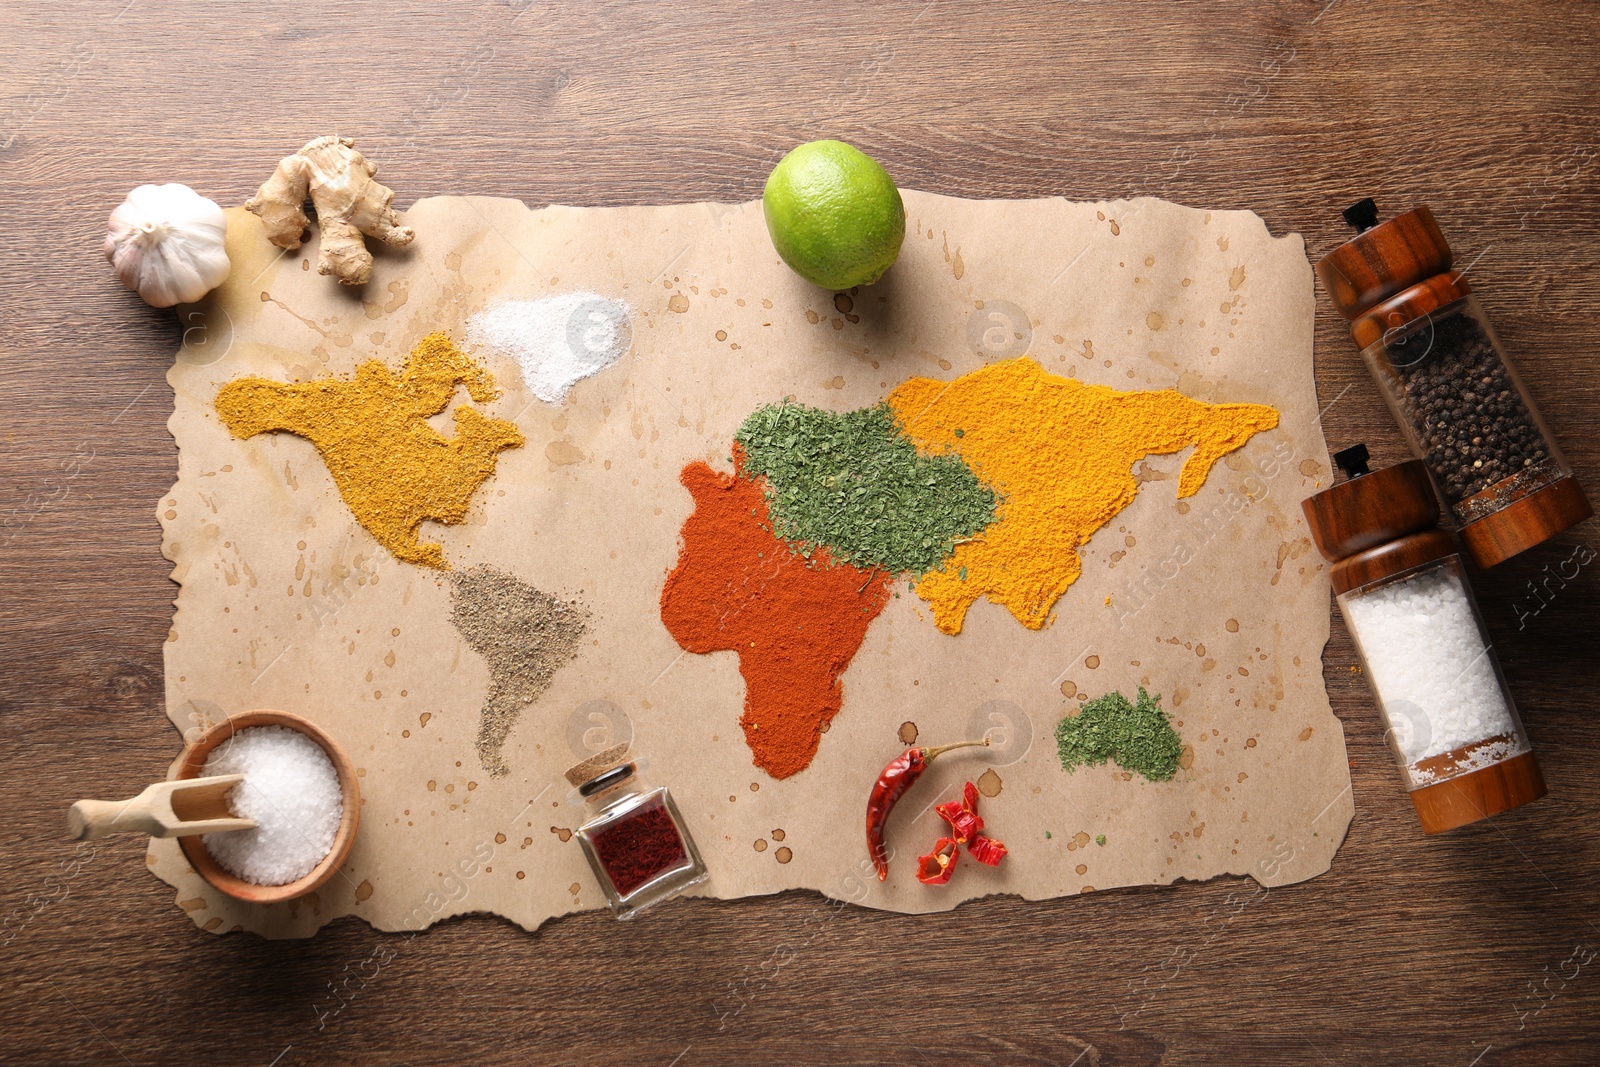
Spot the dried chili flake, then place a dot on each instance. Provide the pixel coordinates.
(937, 866)
(962, 815)
(987, 850)
(967, 825)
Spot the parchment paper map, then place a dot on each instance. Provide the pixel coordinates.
(585, 448)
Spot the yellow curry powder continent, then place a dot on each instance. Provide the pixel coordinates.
(392, 468)
(1059, 454)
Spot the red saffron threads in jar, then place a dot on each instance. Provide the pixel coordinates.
(639, 846)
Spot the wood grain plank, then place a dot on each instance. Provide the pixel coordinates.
(1459, 949)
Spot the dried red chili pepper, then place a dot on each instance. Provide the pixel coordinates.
(901, 773)
(962, 815)
(937, 866)
(987, 850)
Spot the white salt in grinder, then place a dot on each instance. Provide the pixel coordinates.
(1404, 596)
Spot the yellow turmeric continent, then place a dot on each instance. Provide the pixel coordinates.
(339, 181)
(392, 468)
(1060, 455)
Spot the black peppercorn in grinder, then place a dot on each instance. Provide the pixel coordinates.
(1461, 405)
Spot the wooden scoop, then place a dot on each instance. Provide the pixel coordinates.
(165, 809)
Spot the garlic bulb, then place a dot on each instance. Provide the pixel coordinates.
(166, 243)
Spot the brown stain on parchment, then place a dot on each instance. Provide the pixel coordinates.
(562, 453)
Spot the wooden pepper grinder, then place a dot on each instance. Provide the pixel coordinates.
(1449, 384)
(1404, 596)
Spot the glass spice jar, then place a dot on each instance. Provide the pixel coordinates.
(1446, 378)
(1405, 599)
(634, 837)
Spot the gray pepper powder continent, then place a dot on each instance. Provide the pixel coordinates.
(525, 636)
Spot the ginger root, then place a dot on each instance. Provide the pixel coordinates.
(338, 180)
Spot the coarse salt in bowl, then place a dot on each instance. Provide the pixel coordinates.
(290, 790)
(301, 790)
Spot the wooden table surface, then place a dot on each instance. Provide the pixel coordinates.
(1477, 947)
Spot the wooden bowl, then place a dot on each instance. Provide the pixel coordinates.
(194, 758)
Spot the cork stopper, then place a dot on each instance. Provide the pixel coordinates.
(597, 764)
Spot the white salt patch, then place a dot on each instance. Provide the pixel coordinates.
(291, 790)
(1476, 758)
(1432, 670)
(558, 340)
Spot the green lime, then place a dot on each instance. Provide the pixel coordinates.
(834, 214)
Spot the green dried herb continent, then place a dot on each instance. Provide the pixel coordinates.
(1138, 736)
(853, 482)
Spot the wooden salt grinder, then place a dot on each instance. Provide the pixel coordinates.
(1382, 525)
